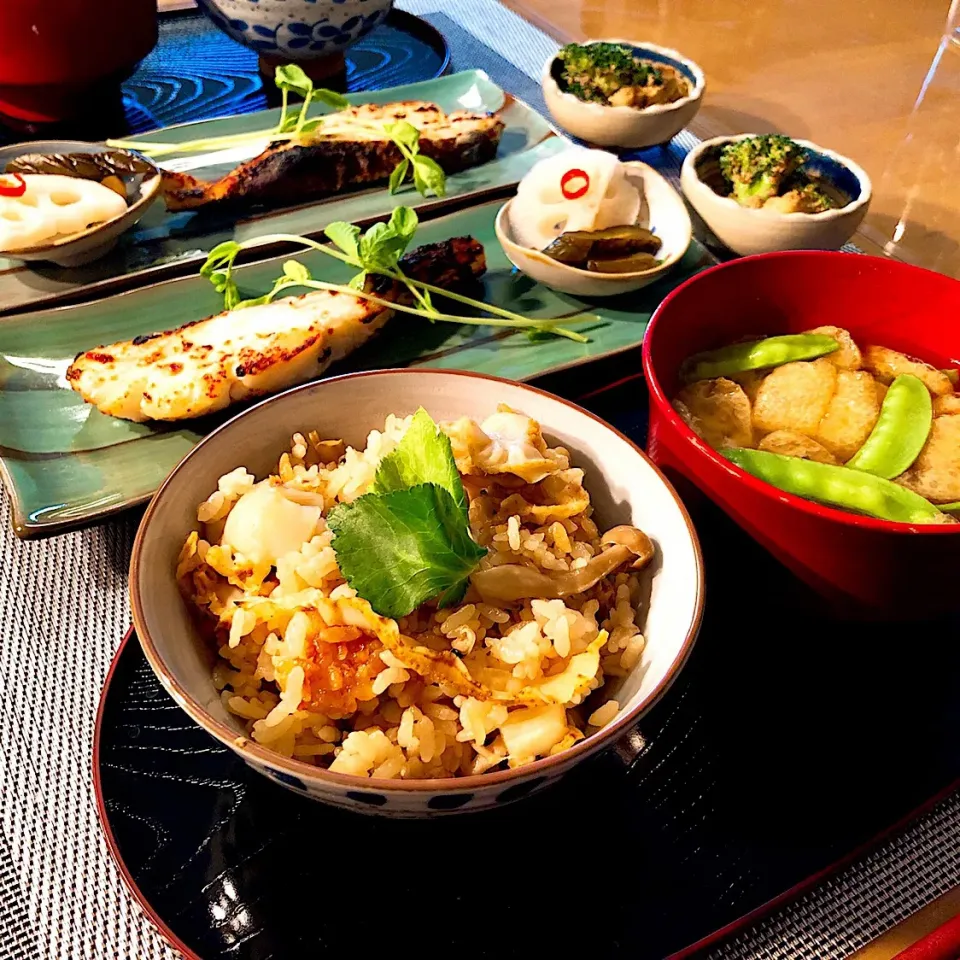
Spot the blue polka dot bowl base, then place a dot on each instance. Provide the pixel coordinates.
(308, 32)
(377, 798)
(625, 488)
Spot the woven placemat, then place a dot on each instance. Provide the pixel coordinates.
(863, 901)
(64, 609)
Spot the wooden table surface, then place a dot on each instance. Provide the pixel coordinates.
(872, 79)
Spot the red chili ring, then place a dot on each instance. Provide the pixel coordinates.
(574, 175)
(17, 189)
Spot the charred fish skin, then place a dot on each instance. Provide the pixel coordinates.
(451, 264)
(349, 150)
(207, 365)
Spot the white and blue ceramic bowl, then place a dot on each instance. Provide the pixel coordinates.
(627, 127)
(296, 29)
(662, 211)
(625, 487)
(747, 231)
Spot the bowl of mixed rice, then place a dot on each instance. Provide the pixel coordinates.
(414, 592)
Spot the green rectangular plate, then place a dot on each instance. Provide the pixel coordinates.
(165, 244)
(66, 464)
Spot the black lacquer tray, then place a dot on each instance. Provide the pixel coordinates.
(787, 742)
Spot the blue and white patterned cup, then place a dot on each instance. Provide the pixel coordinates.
(296, 29)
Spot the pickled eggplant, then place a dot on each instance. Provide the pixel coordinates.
(622, 249)
(615, 242)
(573, 249)
(635, 263)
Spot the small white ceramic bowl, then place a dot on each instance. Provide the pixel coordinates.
(662, 211)
(95, 242)
(746, 231)
(625, 488)
(628, 127)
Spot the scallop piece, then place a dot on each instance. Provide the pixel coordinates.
(265, 525)
(516, 446)
(573, 683)
(506, 442)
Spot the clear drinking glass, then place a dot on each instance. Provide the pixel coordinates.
(923, 169)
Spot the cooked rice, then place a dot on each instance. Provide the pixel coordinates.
(603, 715)
(317, 675)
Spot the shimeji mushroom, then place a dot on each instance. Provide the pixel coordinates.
(510, 582)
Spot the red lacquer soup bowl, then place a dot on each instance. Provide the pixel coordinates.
(59, 57)
(862, 566)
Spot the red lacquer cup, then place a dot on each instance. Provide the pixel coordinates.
(58, 55)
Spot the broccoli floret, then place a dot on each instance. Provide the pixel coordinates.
(598, 70)
(758, 167)
(814, 200)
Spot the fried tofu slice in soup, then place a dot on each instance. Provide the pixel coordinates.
(795, 397)
(945, 406)
(851, 414)
(750, 381)
(718, 411)
(790, 444)
(848, 357)
(936, 472)
(886, 365)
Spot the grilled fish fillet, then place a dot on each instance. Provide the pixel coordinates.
(206, 365)
(348, 149)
